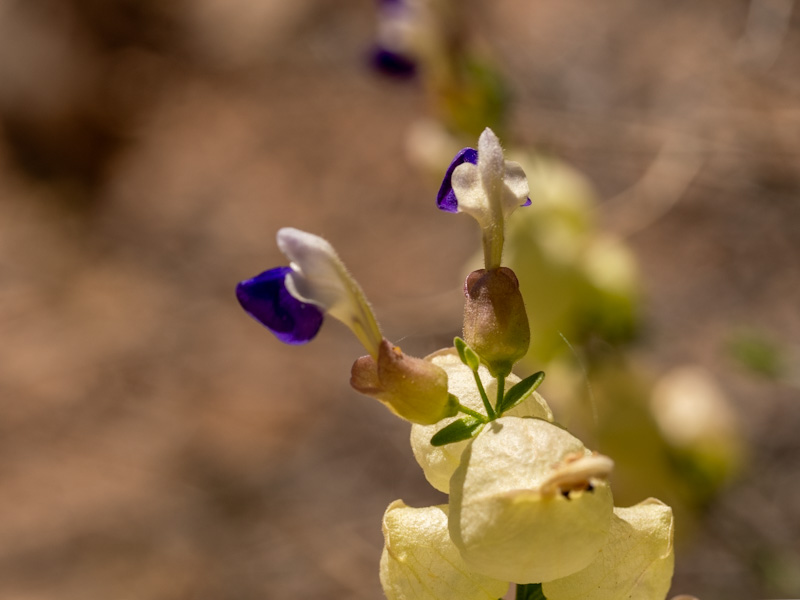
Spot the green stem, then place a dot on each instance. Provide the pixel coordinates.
(486, 404)
(530, 591)
(501, 390)
(471, 413)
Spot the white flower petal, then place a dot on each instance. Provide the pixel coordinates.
(470, 194)
(491, 163)
(516, 188)
(319, 276)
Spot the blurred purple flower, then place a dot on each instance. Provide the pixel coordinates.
(394, 51)
(394, 64)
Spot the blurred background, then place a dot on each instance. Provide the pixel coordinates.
(155, 443)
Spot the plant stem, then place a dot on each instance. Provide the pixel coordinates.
(530, 591)
(501, 390)
(471, 413)
(486, 404)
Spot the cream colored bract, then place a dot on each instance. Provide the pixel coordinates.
(635, 564)
(419, 561)
(439, 462)
(503, 521)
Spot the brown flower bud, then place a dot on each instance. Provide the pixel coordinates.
(412, 388)
(495, 322)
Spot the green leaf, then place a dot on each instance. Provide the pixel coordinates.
(530, 591)
(519, 392)
(467, 354)
(463, 429)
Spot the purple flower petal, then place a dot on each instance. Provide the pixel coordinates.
(446, 198)
(392, 63)
(266, 299)
(527, 202)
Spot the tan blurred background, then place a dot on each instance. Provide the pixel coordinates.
(155, 443)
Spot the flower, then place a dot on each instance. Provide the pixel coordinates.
(395, 64)
(395, 52)
(419, 561)
(528, 502)
(439, 462)
(487, 187)
(290, 301)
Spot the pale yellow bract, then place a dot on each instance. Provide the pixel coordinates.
(635, 564)
(440, 462)
(419, 561)
(504, 517)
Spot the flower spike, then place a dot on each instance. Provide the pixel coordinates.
(290, 301)
(487, 187)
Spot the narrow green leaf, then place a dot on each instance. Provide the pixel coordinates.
(463, 429)
(467, 354)
(519, 392)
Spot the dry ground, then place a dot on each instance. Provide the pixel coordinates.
(156, 444)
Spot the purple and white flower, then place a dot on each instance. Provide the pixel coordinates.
(291, 301)
(487, 187)
(395, 50)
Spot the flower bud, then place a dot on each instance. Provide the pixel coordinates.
(636, 562)
(412, 388)
(529, 503)
(419, 561)
(439, 462)
(495, 322)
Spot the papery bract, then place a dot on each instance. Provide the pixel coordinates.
(636, 562)
(419, 561)
(508, 519)
(439, 462)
